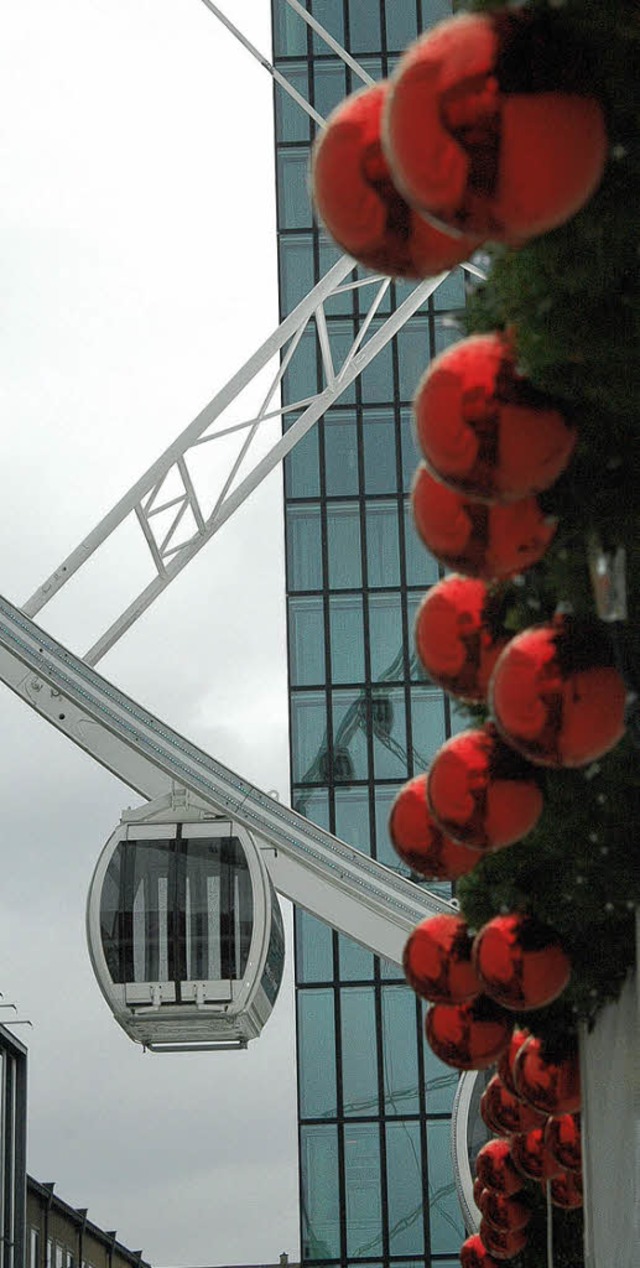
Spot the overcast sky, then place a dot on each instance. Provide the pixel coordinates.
(137, 264)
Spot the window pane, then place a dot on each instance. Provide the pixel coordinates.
(379, 434)
(294, 203)
(356, 964)
(347, 638)
(447, 1228)
(352, 817)
(402, 23)
(296, 269)
(364, 1199)
(304, 548)
(376, 380)
(302, 468)
(300, 380)
(330, 82)
(364, 26)
(289, 32)
(405, 1189)
(350, 725)
(385, 853)
(427, 721)
(451, 292)
(413, 603)
(308, 737)
(317, 1052)
(389, 726)
(338, 304)
(306, 641)
(292, 122)
(434, 11)
(447, 332)
(422, 566)
(359, 1065)
(314, 949)
(400, 1055)
(413, 355)
(341, 336)
(441, 1082)
(411, 455)
(320, 1196)
(330, 14)
(383, 552)
(343, 538)
(313, 803)
(341, 454)
(385, 634)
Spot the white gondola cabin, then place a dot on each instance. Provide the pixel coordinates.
(185, 932)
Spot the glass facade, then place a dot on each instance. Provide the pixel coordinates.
(376, 1180)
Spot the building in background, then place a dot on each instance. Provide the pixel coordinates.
(13, 1150)
(61, 1236)
(376, 1181)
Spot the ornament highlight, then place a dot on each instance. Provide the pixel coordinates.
(531, 1156)
(504, 1213)
(437, 961)
(550, 1086)
(520, 962)
(471, 141)
(563, 1139)
(495, 1169)
(492, 542)
(556, 696)
(454, 637)
(505, 1113)
(483, 429)
(479, 795)
(418, 840)
(467, 1036)
(358, 203)
(507, 1060)
(502, 1243)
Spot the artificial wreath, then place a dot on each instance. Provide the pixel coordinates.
(513, 129)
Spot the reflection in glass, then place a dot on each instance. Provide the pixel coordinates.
(427, 720)
(319, 1192)
(383, 550)
(405, 1189)
(316, 1039)
(359, 1064)
(447, 1227)
(347, 638)
(385, 795)
(385, 634)
(362, 1176)
(350, 724)
(309, 731)
(390, 736)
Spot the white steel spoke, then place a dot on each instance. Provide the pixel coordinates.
(332, 43)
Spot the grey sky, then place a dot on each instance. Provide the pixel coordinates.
(137, 271)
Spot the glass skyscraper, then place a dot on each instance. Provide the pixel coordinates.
(376, 1179)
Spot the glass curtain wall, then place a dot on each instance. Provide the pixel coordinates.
(376, 1181)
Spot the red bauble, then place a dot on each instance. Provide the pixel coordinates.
(478, 1189)
(483, 429)
(504, 1112)
(474, 1254)
(479, 795)
(531, 1156)
(468, 1036)
(554, 696)
(470, 143)
(437, 961)
(501, 1243)
(566, 1191)
(563, 1139)
(418, 840)
(520, 962)
(503, 1212)
(468, 536)
(495, 1168)
(506, 1062)
(550, 1086)
(356, 199)
(454, 639)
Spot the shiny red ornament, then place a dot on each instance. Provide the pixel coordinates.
(563, 1139)
(357, 201)
(556, 696)
(502, 1243)
(506, 1062)
(505, 1113)
(493, 542)
(520, 962)
(418, 840)
(495, 1169)
(566, 1191)
(531, 1156)
(472, 142)
(454, 639)
(485, 430)
(478, 1189)
(502, 1212)
(474, 1254)
(550, 1086)
(437, 961)
(468, 1036)
(479, 795)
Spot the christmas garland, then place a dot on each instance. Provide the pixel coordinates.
(541, 101)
